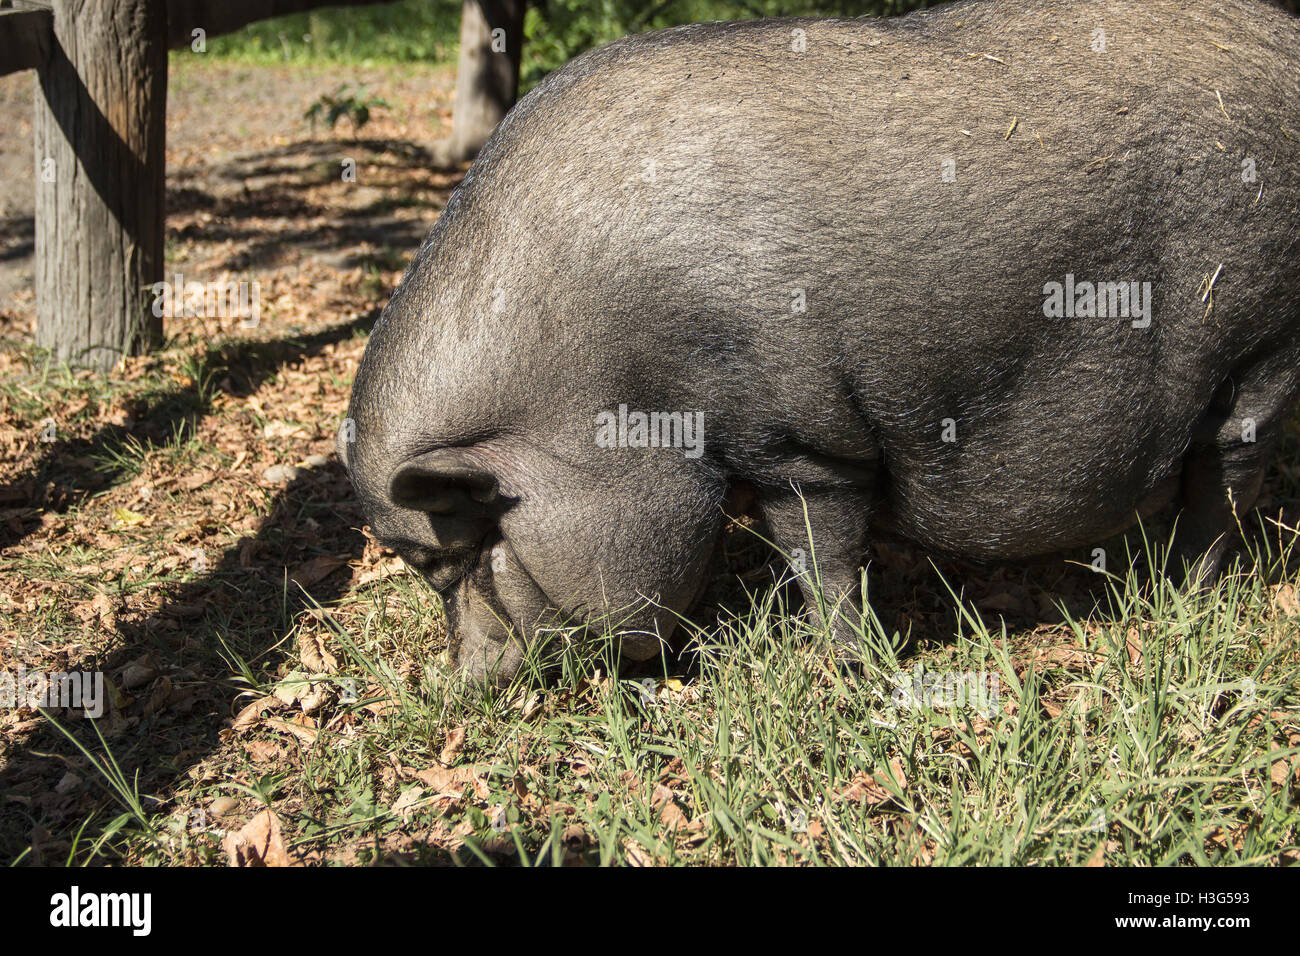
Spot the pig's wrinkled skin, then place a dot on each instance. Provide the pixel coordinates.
(638, 228)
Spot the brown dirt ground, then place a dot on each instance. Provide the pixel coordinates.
(252, 192)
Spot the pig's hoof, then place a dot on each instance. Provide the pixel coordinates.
(640, 647)
(1197, 571)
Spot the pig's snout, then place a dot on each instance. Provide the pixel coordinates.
(491, 614)
(484, 642)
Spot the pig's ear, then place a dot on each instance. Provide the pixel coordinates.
(442, 482)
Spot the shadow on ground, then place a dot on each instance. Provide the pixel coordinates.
(247, 603)
(305, 181)
(70, 470)
(254, 610)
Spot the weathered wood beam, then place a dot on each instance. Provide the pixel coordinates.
(24, 38)
(25, 32)
(217, 17)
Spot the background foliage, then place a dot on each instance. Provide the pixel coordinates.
(554, 30)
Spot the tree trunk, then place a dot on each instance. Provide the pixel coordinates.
(487, 74)
(100, 123)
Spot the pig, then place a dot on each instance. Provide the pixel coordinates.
(1000, 277)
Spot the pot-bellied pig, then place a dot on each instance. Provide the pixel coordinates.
(1000, 277)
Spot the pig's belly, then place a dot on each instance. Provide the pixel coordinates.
(1018, 520)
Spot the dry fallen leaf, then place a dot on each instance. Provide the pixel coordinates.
(315, 698)
(452, 782)
(631, 781)
(316, 657)
(531, 706)
(1133, 644)
(263, 751)
(452, 748)
(280, 429)
(899, 769)
(864, 789)
(672, 817)
(407, 801)
(635, 855)
(292, 688)
(137, 674)
(196, 480)
(1284, 597)
(247, 718)
(102, 605)
(870, 790)
(317, 570)
(377, 701)
(385, 569)
(1282, 770)
(258, 843)
(305, 735)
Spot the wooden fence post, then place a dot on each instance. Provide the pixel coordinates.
(100, 121)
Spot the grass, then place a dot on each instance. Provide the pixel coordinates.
(1147, 734)
(411, 31)
(775, 753)
(1136, 724)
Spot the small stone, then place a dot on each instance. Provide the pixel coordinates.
(137, 675)
(279, 474)
(223, 805)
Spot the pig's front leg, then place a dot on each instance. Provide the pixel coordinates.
(1225, 465)
(1220, 483)
(824, 535)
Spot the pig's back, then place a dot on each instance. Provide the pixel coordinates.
(887, 205)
